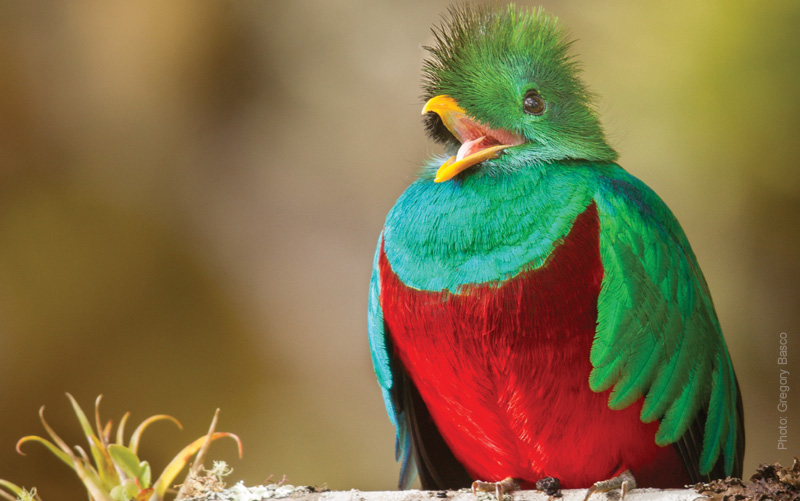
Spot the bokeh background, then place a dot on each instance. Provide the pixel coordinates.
(190, 194)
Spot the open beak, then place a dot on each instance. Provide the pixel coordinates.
(478, 142)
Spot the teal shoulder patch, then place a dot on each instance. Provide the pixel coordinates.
(484, 228)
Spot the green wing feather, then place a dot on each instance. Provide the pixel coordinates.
(657, 333)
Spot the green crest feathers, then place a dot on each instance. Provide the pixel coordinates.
(487, 59)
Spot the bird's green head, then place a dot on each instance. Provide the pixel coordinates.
(503, 91)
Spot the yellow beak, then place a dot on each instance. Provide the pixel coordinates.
(478, 141)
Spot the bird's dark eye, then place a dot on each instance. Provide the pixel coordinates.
(533, 104)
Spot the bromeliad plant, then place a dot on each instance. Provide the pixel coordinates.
(114, 472)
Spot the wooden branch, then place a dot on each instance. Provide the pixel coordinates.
(567, 495)
(241, 493)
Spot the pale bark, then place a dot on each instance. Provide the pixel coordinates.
(241, 493)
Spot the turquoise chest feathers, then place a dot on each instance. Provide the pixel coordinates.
(485, 228)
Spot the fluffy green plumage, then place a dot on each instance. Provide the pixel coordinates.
(487, 59)
(657, 336)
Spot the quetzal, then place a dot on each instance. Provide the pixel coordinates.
(534, 309)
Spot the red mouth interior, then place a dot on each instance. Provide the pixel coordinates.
(475, 137)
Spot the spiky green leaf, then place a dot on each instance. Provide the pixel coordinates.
(137, 433)
(127, 461)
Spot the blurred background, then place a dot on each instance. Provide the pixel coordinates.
(190, 194)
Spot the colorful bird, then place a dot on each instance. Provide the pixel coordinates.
(534, 309)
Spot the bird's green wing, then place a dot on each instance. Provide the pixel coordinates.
(657, 333)
(388, 377)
